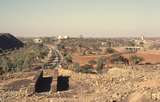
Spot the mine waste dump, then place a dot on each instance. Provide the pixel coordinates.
(8, 41)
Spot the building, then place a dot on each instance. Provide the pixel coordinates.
(133, 49)
(60, 37)
(140, 45)
(65, 37)
(38, 41)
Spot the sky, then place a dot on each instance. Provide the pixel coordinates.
(90, 18)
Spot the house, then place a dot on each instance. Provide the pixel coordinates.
(38, 41)
(60, 37)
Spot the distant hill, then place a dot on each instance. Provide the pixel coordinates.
(8, 41)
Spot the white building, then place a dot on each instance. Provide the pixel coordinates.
(38, 41)
(142, 38)
(65, 37)
(60, 37)
(142, 43)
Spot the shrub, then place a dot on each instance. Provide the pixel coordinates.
(131, 43)
(1, 71)
(22, 59)
(136, 59)
(87, 69)
(118, 59)
(109, 50)
(100, 64)
(76, 67)
(68, 58)
(92, 62)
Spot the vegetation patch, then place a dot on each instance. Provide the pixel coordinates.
(22, 59)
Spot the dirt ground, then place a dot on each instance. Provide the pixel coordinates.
(120, 84)
(152, 57)
(82, 60)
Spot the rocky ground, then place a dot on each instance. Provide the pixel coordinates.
(118, 84)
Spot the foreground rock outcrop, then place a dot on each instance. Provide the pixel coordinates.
(119, 84)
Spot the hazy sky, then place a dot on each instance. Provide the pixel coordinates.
(107, 18)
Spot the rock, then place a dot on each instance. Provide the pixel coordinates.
(155, 96)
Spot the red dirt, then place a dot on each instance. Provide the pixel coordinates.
(152, 57)
(82, 60)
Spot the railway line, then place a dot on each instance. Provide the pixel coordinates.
(54, 57)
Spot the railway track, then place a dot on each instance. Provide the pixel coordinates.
(54, 57)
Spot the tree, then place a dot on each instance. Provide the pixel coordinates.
(27, 62)
(141, 44)
(109, 43)
(68, 58)
(19, 63)
(100, 64)
(67, 62)
(1, 70)
(109, 50)
(87, 69)
(116, 58)
(131, 43)
(76, 67)
(136, 59)
(5, 64)
(92, 62)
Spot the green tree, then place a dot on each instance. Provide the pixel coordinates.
(87, 69)
(76, 67)
(141, 44)
(109, 50)
(100, 64)
(19, 63)
(136, 59)
(68, 58)
(27, 62)
(5, 64)
(92, 62)
(109, 43)
(131, 43)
